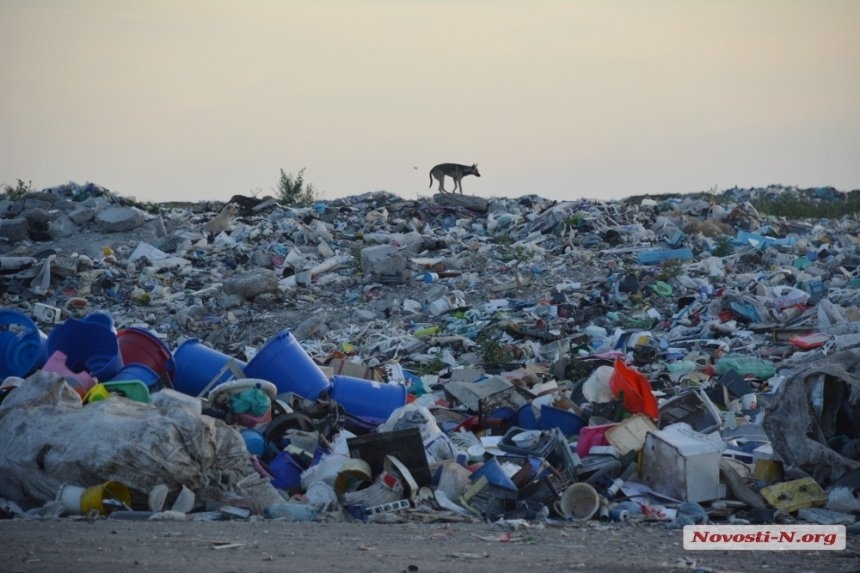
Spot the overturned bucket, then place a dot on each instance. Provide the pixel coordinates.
(367, 398)
(22, 345)
(283, 362)
(89, 346)
(580, 502)
(198, 365)
(93, 498)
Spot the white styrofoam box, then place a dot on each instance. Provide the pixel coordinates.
(682, 463)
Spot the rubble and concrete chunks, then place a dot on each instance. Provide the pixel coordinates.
(119, 219)
(812, 406)
(252, 283)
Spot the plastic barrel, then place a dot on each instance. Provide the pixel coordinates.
(197, 365)
(88, 346)
(22, 345)
(139, 346)
(283, 362)
(367, 398)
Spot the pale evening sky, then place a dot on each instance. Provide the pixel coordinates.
(201, 100)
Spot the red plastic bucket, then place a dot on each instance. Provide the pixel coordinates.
(138, 346)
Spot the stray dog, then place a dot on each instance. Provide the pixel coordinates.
(221, 222)
(455, 171)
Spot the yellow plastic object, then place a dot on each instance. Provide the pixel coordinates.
(94, 497)
(96, 393)
(794, 495)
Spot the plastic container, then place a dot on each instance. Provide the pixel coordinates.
(284, 362)
(569, 423)
(634, 388)
(367, 398)
(494, 473)
(93, 498)
(254, 441)
(138, 346)
(590, 436)
(22, 345)
(526, 417)
(131, 389)
(286, 472)
(197, 365)
(102, 318)
(786, 296)
(579, 502)
(89, 346)
(137, 372)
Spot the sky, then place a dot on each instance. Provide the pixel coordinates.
(192, 100)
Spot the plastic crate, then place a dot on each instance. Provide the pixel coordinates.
(547, 489)
(489, 500)
(406, 445)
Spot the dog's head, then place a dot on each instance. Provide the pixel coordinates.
(474, 170)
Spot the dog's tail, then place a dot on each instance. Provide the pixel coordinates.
(431, 178)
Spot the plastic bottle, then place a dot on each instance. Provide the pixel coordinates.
(291, 511)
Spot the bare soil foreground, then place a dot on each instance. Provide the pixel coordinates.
(112, 546)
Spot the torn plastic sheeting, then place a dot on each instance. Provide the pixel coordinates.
(801, 439)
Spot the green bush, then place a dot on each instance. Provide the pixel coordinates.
(18, 191)
(292, 191)
(797, 207)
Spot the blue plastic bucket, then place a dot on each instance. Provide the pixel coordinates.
(88, 346)
(283, 362)
(138, 372)
(367, 398)
(197, 365)
(568, 422)
(286, 472)
(22, 345)
(103, 318)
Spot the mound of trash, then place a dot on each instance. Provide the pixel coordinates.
(686, 358)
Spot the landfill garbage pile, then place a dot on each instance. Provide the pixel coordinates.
(685, 359)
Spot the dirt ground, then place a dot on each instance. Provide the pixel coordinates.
(112, 546)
